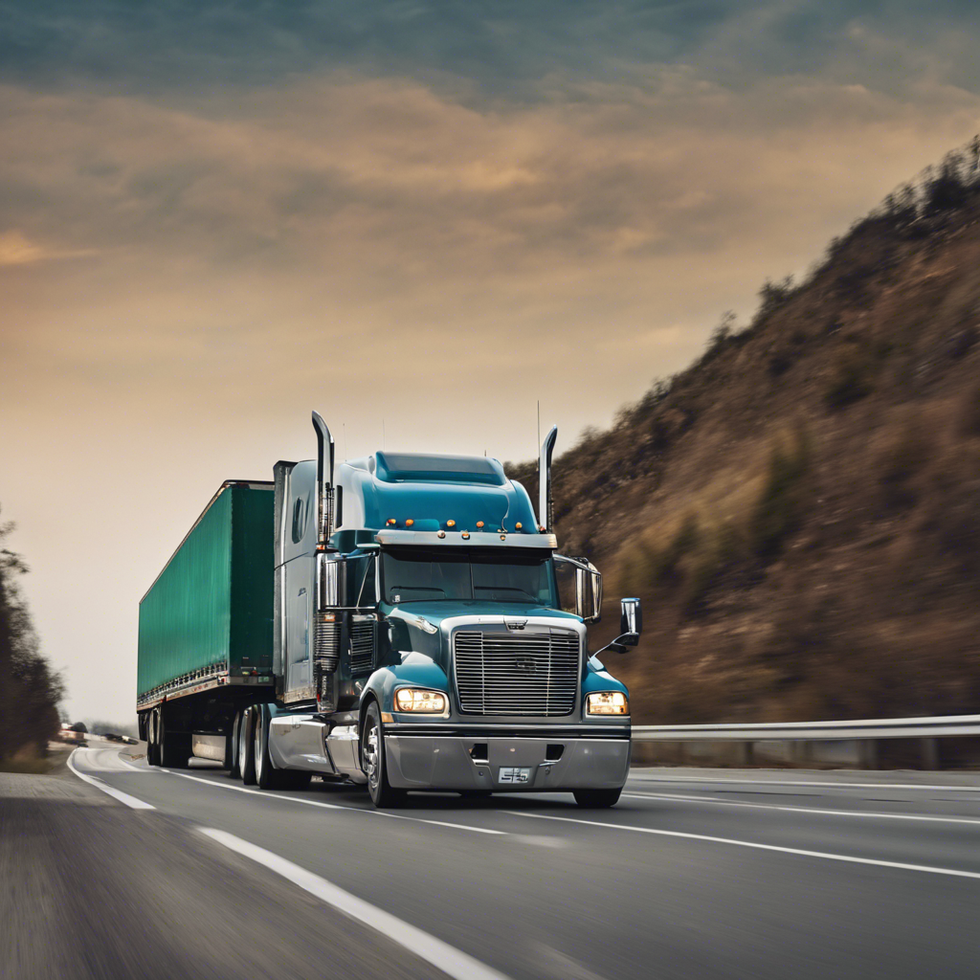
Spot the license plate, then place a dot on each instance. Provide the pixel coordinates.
(513, 775)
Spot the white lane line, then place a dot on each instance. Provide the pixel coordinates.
(925, 868)
(130, 801)
(338, 806)
(717, 782)
(453, 962)
(801, 809)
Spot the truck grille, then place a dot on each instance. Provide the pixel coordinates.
(361, 644)
(528, 674)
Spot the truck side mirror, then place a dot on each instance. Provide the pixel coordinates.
(630, 622)
(588, 591)
(588, 585)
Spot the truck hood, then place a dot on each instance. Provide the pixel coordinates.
(412, 638)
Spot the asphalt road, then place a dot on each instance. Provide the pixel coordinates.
(695, 873)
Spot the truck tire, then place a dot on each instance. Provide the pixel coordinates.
(234, 770)
(597, 799)
(383, 795)
(266, 775)
(174, 747)
(152, 745)
(246, 757)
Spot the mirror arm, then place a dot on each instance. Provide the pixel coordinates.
(615, 645)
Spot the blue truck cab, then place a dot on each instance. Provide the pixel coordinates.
(420, 639)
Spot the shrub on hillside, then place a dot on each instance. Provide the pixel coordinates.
(777, 511)
(852, 380)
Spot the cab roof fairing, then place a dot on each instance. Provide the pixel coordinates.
(431, 491)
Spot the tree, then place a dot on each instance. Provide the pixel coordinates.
(29, 690)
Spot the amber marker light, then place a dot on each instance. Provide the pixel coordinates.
(479, 523)
(391, 520)
(466, 535)
(518, 525)
(409, 522)
(450, 523)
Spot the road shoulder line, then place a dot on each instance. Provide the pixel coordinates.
(130, 801)
(453, 962)
(930, 818)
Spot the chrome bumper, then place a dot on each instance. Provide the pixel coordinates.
(453, 762)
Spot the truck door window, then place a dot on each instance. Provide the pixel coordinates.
(298, 513)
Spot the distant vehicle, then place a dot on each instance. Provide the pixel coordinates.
(72, 733)
(399, 626)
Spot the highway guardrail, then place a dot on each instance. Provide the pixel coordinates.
(797, 743)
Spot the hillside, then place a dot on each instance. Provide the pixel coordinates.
(800, 509)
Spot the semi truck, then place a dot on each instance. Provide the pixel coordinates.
(395, 622)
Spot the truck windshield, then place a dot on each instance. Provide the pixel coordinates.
(417, 575)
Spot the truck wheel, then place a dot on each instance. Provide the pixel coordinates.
(246, 757)
(597, 799)
(266, 776)
(234, 770)
(373, 762)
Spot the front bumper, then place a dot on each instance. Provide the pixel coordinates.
(454, 762)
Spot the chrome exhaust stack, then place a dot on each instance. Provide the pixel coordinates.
(546, 507)
(324, 481)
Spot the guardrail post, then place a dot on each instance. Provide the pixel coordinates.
(930, 753)
(869, 753)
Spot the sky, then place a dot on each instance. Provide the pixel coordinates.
(420, 219)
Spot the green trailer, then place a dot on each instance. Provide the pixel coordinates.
(205, 624)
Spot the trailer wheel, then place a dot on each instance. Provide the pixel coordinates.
(174, 750)
(597, 799)
(383, 795)
(152, 745)
(246, 757)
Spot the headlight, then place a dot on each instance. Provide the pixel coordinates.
(412, 699)
(607, 703)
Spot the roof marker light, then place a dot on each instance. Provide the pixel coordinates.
(450, 523)
(479, 523)
(466, 535)
(409, 522)
(518, 525)
(391, 520)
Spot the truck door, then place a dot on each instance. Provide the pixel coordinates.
(298, 585)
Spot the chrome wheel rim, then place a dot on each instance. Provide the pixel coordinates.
(371, 756)
(259, 760)
(242, 742)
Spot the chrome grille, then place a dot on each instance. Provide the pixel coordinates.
(361, 644)
(528, 673)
